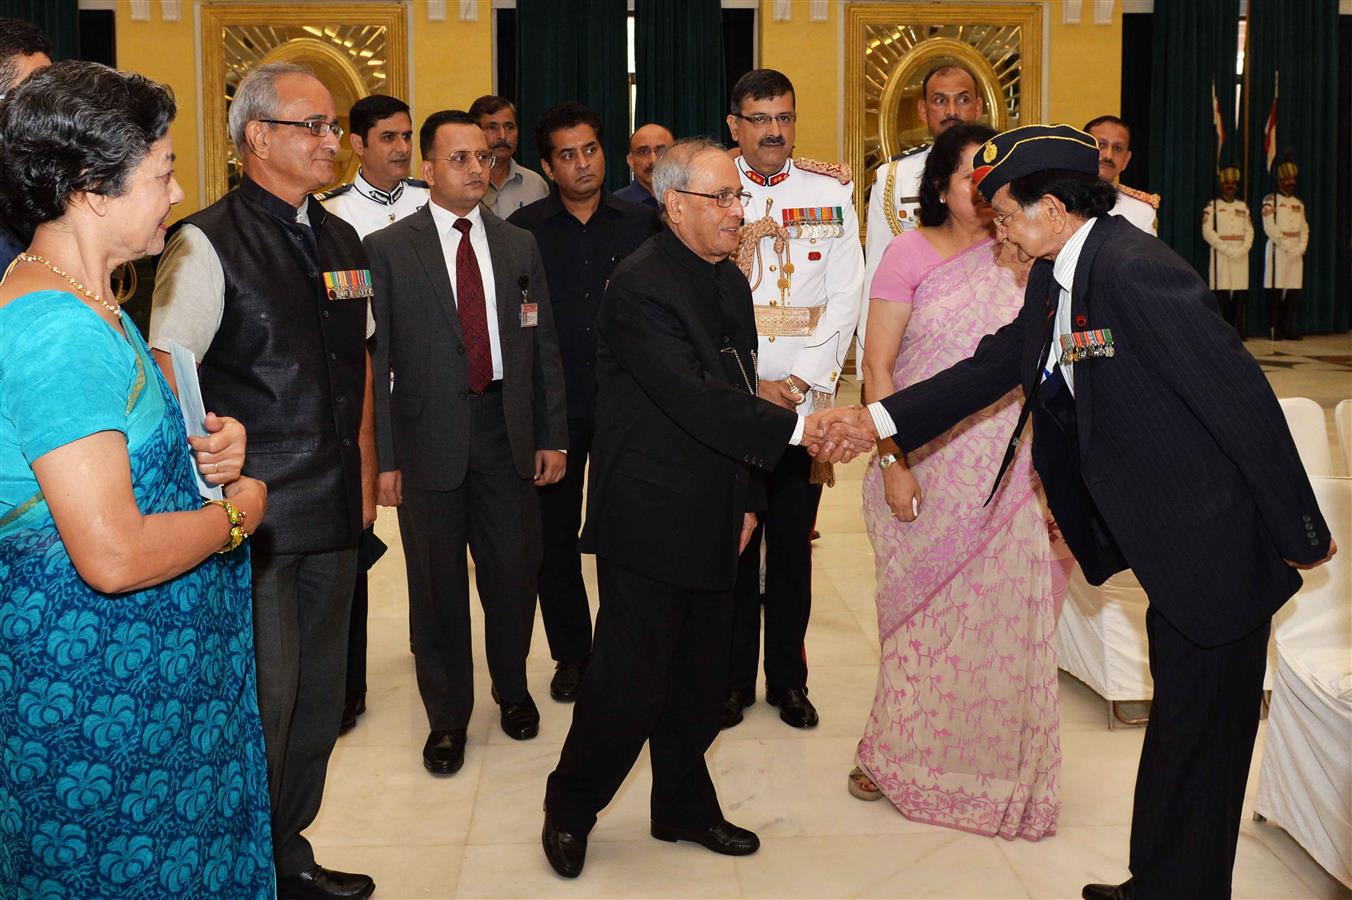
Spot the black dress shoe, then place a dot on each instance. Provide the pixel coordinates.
(1107, 891)
(567, 679)
(733, 706)
(444, 752)
(566, 852)
(520, 721)
(721, 837)
(352, 707)
(794, 707)
(318, 882)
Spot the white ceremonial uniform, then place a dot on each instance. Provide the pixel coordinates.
(807, 293)
(902, 175)
(368, 208)
(1137, 208)
(1287, 236)
(1228, 228)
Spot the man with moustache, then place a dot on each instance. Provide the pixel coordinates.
(510, 186)
(645, 146)
(948, 97)
(270, 293)
(583, 231)
(671, 500)
(1114, 142)
(23, 50)
(1228, 228)
(473, 425)
(800, 253)
(382, 193)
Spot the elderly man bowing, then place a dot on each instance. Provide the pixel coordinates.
(680, 438)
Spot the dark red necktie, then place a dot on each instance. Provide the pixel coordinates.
(469, 301)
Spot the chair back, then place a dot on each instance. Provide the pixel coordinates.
(1305, 418)
(1342, 416)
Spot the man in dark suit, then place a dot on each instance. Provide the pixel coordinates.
(473, 423)
(1161, 446)
(672, 495)
(583, 231)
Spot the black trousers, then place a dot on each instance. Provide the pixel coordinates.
(495, 513)
(356, 640)
(786, 528)
(1195, 762)
(563, 596)
(301, 607)
(1282, 303)
(657, 675)
(1234, 307)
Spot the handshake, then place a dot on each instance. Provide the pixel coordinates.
(839, 434)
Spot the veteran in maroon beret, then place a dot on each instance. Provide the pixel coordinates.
(1161, 447)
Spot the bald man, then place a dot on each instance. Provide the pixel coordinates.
(645, 146)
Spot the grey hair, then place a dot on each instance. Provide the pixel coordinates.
(673, 169)
(256, 98)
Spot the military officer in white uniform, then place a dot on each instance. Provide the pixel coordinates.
(1288, 233)
(800, 251)
(948, 97)
(382, 193)
(1228, 228)
(1114, 141)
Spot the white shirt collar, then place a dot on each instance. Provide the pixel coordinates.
(373, 193)
(1063, 268)
(757, 178)
(445, 219)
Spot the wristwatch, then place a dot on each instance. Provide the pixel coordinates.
(886, 459)
(236, 517)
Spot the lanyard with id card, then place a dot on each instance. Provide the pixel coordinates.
(530, 311)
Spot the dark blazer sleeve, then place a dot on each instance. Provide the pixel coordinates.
(928, 408)
(650, 341)
(1169, 311)
(381, 310)
(551, 411)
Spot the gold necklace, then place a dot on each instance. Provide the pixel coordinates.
(112, 308)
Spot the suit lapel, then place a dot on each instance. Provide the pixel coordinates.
(1081, 320)
(427, 246)
(505, 277)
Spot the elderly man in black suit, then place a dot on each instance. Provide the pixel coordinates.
(473, 424)
(1160, 446)
(680, 438)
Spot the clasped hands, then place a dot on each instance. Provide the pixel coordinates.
(839, 434)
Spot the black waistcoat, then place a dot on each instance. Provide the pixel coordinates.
(290, 364)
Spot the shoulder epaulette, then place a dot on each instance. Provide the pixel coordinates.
(415, 182)
(839, 171)
(335, 192)
(912, 152)
(1152, 199)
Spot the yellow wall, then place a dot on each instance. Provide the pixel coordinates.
(808, 53)
(452, 60)
(1086, 67)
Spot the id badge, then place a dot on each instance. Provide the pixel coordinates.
(530, 315)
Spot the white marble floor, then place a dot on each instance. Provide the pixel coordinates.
(477, 834)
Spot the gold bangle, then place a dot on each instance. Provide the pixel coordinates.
(236, 517)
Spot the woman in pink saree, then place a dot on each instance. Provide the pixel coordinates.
(964, 726)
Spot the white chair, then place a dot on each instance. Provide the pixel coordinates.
(1305, 418)
(1342, 416)
(1305, 777)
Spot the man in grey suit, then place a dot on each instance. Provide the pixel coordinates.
(472, 423)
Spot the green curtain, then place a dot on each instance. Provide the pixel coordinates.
(1194, 43)
(1298, 39)
(574, 50)
(678, 55)
(58, 19)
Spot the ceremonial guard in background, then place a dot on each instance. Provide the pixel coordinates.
(948, 97)
(1284, 256)
(800, 251)
(381, 194)
(1228, 228)
(1114, 142)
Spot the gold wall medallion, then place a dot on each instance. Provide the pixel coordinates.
(890, 47)
(355, 49)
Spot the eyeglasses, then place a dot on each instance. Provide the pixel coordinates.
(723, 199)
(1000, 221)
(646, 151)
(460, 159)
(316, 127)
(761, 120)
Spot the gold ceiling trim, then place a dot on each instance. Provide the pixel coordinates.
(354, 48)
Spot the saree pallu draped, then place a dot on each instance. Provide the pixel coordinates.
(964, 726)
